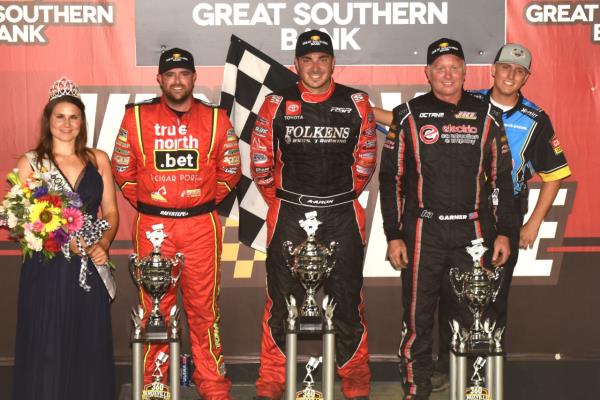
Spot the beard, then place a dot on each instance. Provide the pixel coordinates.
(179, 98)
(176, 98)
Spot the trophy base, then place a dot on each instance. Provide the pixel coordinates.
(308, 325)
(475, 349)
(156, 391)
(477, 393)
(309, 394)
(156, 333)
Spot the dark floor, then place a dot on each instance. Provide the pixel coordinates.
(524, 379)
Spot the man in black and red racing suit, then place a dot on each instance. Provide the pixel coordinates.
(444, 164)
(175, 158)
(314, 148)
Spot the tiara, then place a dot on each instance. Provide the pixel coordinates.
(63, 87)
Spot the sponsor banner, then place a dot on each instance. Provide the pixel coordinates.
(26, 22)
(356, 28)
(568, 13)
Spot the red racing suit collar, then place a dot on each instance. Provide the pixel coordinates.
(310, 97)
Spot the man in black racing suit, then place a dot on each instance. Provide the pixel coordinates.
(314, 148)
(444, 162)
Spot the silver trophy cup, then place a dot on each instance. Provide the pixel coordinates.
(478, 288)
(311, 262)
(156, 274)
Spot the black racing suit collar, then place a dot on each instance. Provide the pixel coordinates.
(443, 104)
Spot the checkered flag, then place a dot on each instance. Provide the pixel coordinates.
(249, 76)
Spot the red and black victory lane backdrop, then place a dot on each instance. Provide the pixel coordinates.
(111, 50)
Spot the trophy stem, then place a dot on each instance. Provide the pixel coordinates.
(461, 387)
(328, 364)
(156, 319)
(138, 369)
(477, 326)
(174, 350)
(291, 355)
(310, 307)
(495, 376)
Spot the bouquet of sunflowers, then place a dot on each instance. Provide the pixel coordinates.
(39, 218)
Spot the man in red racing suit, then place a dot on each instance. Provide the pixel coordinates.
(314, 148)
(175, 158)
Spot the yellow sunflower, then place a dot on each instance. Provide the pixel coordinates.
(47, 214)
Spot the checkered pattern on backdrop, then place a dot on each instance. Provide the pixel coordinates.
(248, 77)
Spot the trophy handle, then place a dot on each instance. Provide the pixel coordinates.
(134, 270)
(178, 261)
(288, 254)
(457, 282)
(497, 279)
(331, 256)
(174, 322)
(137, 314)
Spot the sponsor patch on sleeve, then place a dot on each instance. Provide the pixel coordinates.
(370, 132)
(275, 99)
(122, 135)
(231, 136)
(555, 143)
(121, 160)
(232, 160)
(230, 170)
(358, 97)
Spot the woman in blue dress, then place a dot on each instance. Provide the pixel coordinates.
(64, 337)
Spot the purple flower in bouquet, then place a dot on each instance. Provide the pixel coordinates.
(60, 236)
(40, 191)
(74, 199)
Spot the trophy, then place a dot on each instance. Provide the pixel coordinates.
(155, 274)
(311, 263)
(477, 288)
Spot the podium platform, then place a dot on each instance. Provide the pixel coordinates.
(525, 379)
(246, 391)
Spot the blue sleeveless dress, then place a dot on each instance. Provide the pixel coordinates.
(64, 347)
